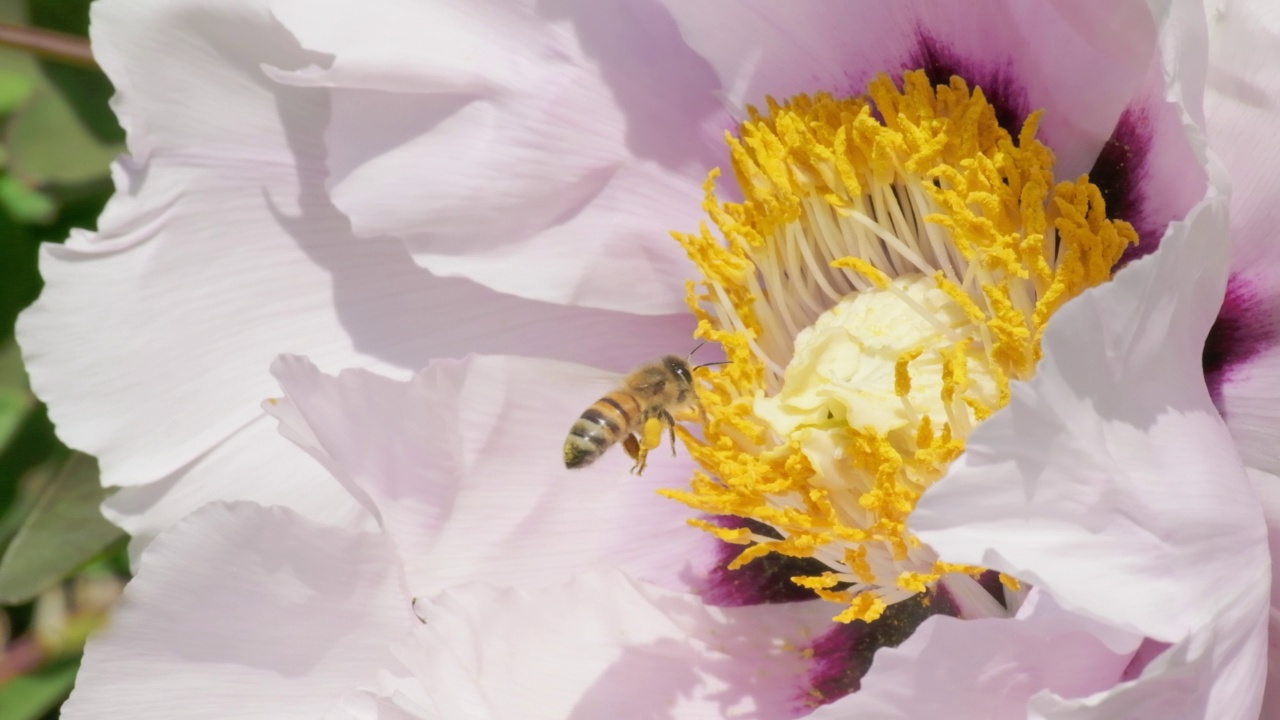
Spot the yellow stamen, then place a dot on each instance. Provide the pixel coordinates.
(890, 270)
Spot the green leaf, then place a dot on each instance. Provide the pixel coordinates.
(14, 90)
(25, 204)
(48, 143)
(47, 139)
(31, 696)
(12, 373)
(21, 497)
(25, 467)
(26, 435)
(21, 281)
(63, 529)
(15, 405)
(68, 16)
(16, 400)
(86, 90)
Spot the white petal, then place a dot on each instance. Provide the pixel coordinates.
(602, 646)
(1241, 103)
(246, 612)
(1112, 446)
(496, 138)
(1216, 673)
(254, 464)
(153, 337)
(1111, 483)
(464, 467)
(985, 669)
(369, 705)
(1267, 487)
(147, 331)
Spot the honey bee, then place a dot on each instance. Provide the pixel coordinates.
(662, 391)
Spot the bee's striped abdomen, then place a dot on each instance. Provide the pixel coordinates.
(607, 421)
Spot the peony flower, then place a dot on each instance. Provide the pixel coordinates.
(1064, 412)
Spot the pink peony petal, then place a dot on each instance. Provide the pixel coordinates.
(601, 646)
(250, 465)
(496, 137)
(1110, 482)
(1216, 673)
(366, 705)
(153, 337)
(1080, 61)
(1242, 358)
(463, 466)
(246, 612)
(986, 669)
(1267, 487)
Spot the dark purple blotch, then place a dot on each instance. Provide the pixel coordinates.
(1119, 173)
(842, 656)
(990, 581)
(1247, 324)
(763, 580)
(998, 81)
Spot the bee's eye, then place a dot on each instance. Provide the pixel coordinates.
(683, 373)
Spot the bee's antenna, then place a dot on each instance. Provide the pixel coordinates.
(695, 349)
(722, 362)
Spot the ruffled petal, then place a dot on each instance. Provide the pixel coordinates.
(368, 705)
(1267, 487)
(244, 611)
(152, 340)
(250, 465)
(1242, 356)
(464, 468)
(1080, 61)
(497, 138)
(1110, 482)
(986, 669)
(602, 645)
(1216, 672)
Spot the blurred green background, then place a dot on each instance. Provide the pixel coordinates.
(61, 565)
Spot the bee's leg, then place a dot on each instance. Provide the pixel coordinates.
(692, 413)
(671, 428)
(642, 460)
(637, 451)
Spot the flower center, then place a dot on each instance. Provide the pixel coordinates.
(890, 270)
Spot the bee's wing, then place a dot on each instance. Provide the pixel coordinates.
(594, 383)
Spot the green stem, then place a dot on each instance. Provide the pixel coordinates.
(49, 44)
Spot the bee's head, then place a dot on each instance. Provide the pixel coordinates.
(680, 368)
